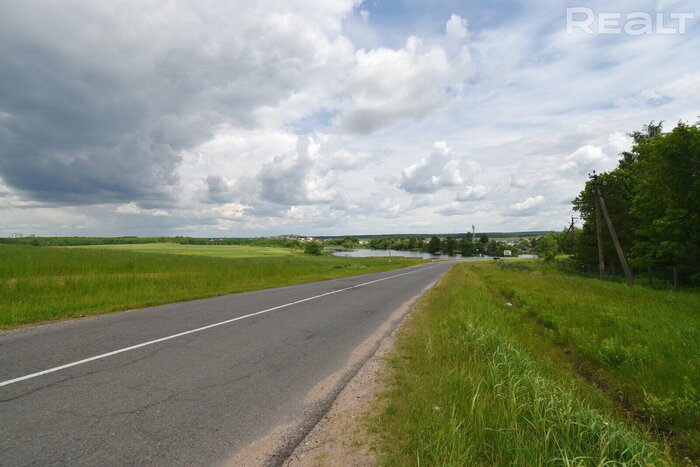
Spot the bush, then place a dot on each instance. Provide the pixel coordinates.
(313, 248)
(614, 355)
(547, 248)
(679, 409)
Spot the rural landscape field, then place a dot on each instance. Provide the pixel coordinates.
(330, 233)
(45, 283)
(216, 251)
(515, 362)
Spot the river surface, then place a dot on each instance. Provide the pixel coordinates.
(366, 253)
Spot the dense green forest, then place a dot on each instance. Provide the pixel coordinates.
(653, 198)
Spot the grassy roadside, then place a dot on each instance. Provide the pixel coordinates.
(44, 283)
(573, 371)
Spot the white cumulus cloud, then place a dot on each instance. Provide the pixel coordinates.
(527, 207)
(585, 158)
(472, 193)
(389, 85)
(439, 170)
(456, 28)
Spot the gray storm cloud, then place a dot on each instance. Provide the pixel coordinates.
(180, 117)
(98, 99)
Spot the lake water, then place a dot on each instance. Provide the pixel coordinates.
(366, 253)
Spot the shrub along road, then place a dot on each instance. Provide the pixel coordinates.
(188, 383)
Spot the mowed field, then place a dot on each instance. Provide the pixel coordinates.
(520, 364)
(219, 251)
(45, 283)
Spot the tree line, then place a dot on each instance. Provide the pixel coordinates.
(450, 245)
(653, 199)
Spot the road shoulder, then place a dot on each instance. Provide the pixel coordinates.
(336, 435)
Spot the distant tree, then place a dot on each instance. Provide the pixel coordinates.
(450, 244)
(350, 242)
(402, 244)
(483, 238)
(434, 245)
(468, 247)
(533, 243)
(469, 237)
(380, 243)
(313, 248)
(547, 247)
(495, 248)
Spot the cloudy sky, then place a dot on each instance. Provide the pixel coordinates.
(238, 118)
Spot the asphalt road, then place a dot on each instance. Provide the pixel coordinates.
(188, 383)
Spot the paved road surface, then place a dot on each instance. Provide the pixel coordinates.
(191, 399)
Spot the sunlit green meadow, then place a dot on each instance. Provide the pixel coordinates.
(45, 283)
(522, 365)
(219, 251)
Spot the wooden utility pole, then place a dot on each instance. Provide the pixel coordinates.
(599, 232)
(600, 206)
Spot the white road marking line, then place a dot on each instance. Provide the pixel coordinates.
(192, 331)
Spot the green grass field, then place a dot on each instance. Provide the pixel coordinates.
(219, 251)
(44, 283)
(530, 366)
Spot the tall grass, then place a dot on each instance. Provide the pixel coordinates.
(642, 346)
(44, 283)
(467, 388)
